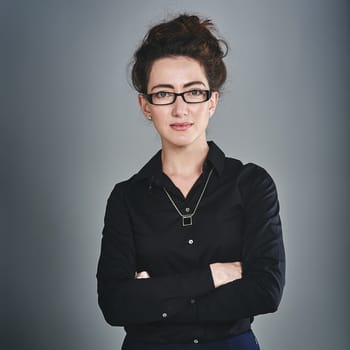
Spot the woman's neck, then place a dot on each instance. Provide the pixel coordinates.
(184, 161)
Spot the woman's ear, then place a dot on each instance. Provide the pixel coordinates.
(144, 106)
(213, 102)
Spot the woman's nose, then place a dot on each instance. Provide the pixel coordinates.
(180, 107)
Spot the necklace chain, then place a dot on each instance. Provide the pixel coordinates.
(187, 218)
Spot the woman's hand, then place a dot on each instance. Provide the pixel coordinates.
(142, 274)
(223, 273)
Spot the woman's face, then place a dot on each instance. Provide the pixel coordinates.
(179, 124)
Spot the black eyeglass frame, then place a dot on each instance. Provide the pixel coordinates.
(149, 97)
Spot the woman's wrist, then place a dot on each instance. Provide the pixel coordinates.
(142, 274)
(223, 273)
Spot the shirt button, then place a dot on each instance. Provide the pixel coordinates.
(193, 301)
(164, 315)
(187, 210)
(195, 341)
(190, 241)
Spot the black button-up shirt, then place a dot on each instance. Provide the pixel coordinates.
(237, 219)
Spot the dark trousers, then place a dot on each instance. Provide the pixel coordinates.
(244, 341)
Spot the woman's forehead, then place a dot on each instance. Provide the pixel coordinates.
(176, 71)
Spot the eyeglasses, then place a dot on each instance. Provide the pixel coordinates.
(167, 97)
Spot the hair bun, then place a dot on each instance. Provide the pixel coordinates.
(185, 35)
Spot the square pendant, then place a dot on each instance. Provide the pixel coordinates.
(186, 220)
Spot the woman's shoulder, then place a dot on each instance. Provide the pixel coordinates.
(243, 170)
(133, 186)
(252, 171)
(234, 167)
(249, 177)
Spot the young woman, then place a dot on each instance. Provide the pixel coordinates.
(192, 245)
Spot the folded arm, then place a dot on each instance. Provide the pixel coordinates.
(125, 299)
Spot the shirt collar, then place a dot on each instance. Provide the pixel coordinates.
(216, 157)
(153, 168)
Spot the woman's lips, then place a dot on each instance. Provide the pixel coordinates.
(180, 126)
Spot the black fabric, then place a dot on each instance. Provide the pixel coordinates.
(244, 341)
(236, 220)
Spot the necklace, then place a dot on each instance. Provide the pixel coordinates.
(187, 218)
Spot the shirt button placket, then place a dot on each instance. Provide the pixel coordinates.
(190, 241)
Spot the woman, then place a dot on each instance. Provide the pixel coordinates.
(192, 245)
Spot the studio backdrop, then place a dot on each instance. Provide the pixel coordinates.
(71, 128)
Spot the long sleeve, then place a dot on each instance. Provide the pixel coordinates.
(122, 298)
(263, 257)
(237, 220)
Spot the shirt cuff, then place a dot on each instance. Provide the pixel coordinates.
(199, 282)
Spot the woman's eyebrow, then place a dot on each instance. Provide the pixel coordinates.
(169, 86)
(193, 83)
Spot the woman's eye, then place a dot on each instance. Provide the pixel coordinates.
(196, 92)
(162, 94)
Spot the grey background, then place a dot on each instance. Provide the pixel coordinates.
(71, 129)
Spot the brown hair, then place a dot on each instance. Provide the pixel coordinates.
(182, 36)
